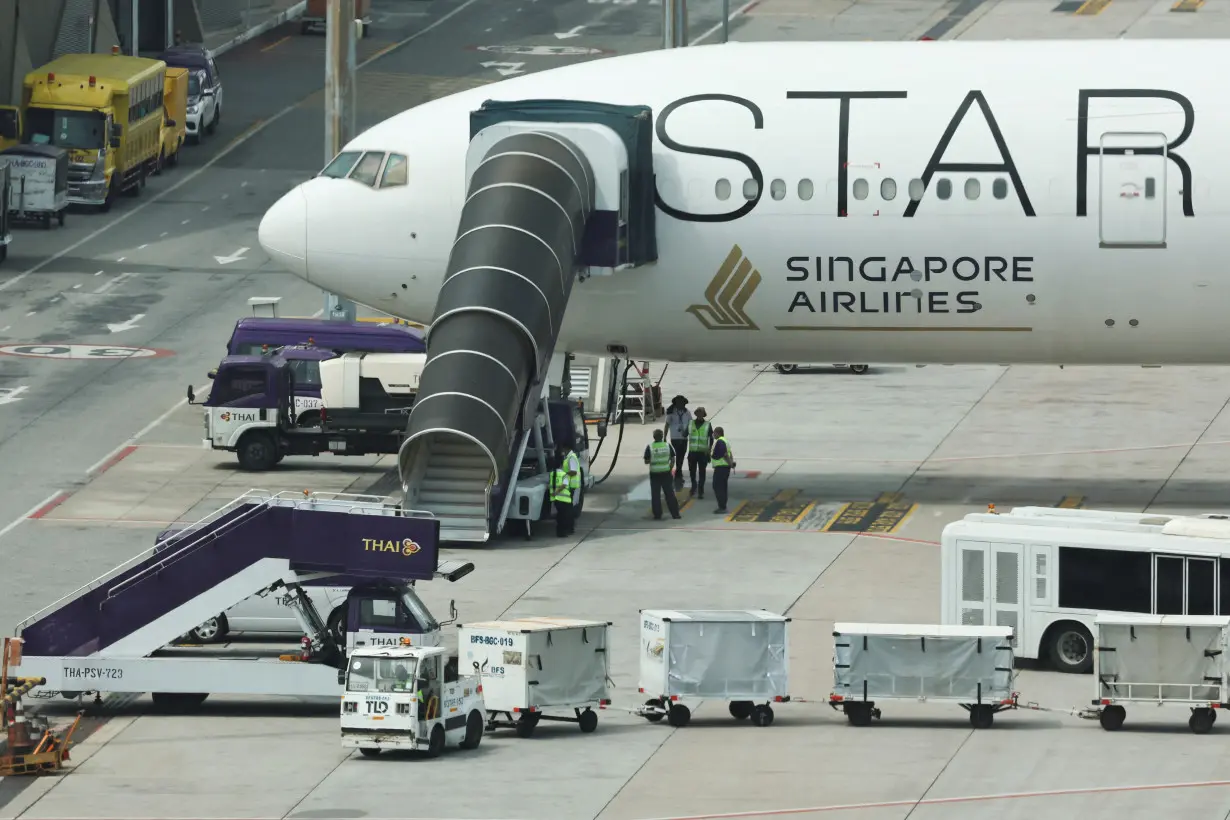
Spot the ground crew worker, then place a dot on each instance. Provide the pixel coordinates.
(722, 457)
(659, 456)
(572, 466)
(561, 498)
(700, 440)
(677, 420)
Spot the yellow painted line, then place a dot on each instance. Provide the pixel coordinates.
(1071, 502)
(890, 521)
(272, 46)
(835, 518)
(1091, 7)
(738, 510)
(786, 495)
(888, 498)
(685, 505)
(1187, 5)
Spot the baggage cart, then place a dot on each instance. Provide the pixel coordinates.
(38, 183)
(1161, 659)
(971, 665)
(739, 656)
(530, 665)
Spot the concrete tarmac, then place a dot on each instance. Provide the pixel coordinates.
(107, 458)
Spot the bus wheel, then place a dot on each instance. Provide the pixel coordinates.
(1071, 648)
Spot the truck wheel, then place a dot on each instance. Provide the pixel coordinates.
(526, 725)
(859, 369)
(369, 752)
(161, 161)
(337, 626)
(588, 721)
(211, 631)
(1071, 648)
(437, 741)
(257, 453)
(474, 731)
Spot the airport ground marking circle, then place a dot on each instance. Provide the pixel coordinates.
(80, 352)
(546, 51)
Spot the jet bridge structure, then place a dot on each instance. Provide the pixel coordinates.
(557, 191)
(112, 634)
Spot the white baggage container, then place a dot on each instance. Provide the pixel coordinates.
(739, 656)
(531, 664)
(1161, 659)
(971, 665)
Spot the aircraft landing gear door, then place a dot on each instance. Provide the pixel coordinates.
(1132, 193)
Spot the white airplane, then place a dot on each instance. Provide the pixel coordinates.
(926, 202)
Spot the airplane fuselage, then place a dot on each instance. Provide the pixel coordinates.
(959, 202)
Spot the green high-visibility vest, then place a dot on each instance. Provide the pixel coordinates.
(698, 438)
(571, 462)
(560, 490)
(659, 457)
(725, 460)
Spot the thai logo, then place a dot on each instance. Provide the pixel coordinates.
(225, 416)
(655, 648)
(406, 546)
(729, 290)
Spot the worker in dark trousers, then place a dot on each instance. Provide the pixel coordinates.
(561, 497)
(700, 441)
(660, 457)
(677, 420)
(722, 457)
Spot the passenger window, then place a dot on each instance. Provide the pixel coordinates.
(395, 171)
(777, 189)
(367, 168)
(721, 189)
(750, 188)
(999, 188)
(1108, 580)
(888, 189)
(861, 188)
(943, 188)
(1150, 188)
(972, 188)
(341, 165)
(806, 189)
(917, 189)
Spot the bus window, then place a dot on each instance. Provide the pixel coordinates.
(1107, 580)
(1201, 586)
(1169, 599)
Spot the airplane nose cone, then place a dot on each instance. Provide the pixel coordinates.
(283, 232)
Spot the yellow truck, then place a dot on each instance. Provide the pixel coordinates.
(106, 110)
(175, 117)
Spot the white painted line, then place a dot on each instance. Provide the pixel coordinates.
(76, 286)
(318, 313)
(739, 12)
(140, 248)
(12, 525)
(113, 282)
(185, 222)
(224, 196)
(6, 327)
(98, 273)
(243, 184)
(206, 208)
(31, 313)
(164, 233)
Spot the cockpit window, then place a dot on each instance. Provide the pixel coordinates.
(367, 168)
(341, 165)
(395, 171)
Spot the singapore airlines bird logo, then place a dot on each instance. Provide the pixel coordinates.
(731, 288)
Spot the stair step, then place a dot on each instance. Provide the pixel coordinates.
(458, 461)
(434, 483)
(463, 534)
(478, 512)
(470, 499)
(459, 474)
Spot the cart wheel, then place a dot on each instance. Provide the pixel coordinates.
(1201, 721)
(366, 752)
(60, 218)
(1112, 717)
(859, 369)
(679, 715)
(741, 709)
(858, 714)
(981, 716)
(526, 726)
(588, 720)
(46, 222)
(762, 715)
(654, 717)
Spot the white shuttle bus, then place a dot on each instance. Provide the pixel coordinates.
(1049, 577)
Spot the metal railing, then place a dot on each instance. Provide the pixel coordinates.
(1115, 691)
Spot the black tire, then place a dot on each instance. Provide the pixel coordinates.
(308, 418)
(1201, 721)
(178, 701)
(160, 162)
(588, 721)
(1071, 648)
(60, 218)
(1112, 717)
(762, 715)
(211, 631)
(369, 752)
(679, 715)
(859, 369)
(654, 717)
(526, 726)
(981, 716)
(858, 714)
(474, 731)
(786, 368)
(741, 709)
(337, 626)
(436, 744)
(257, 452)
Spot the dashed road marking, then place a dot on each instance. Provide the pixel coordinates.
(884, 515)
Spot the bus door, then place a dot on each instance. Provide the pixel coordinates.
(991, 585)
(1184, 585)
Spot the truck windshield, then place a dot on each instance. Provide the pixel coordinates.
(380, 675)
(67, 129)
(235, 383)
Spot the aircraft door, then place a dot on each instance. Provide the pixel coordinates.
(1132, 192)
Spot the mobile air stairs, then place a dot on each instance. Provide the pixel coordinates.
(558, 191)
(112, 634)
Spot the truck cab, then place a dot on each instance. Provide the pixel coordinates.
(408, 697)
(10, 126)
